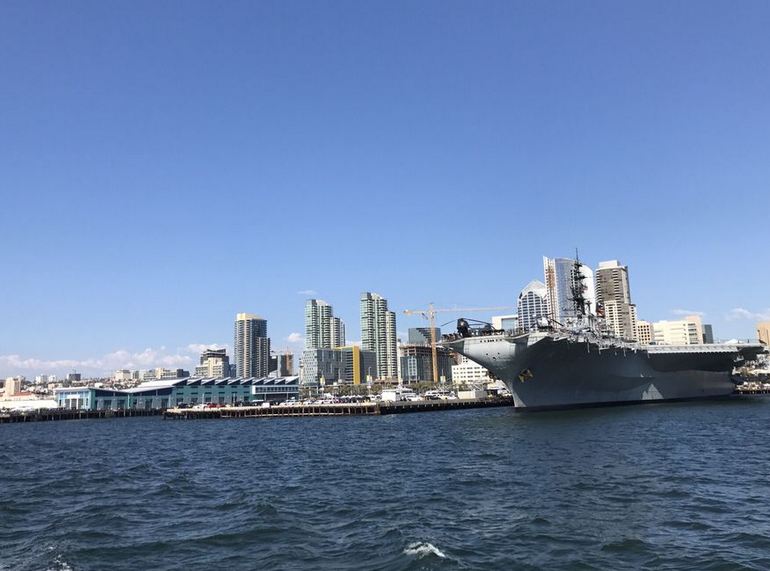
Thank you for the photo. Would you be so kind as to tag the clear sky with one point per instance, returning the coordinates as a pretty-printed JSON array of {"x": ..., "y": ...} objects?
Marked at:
[{"x": 164, "y": 165}]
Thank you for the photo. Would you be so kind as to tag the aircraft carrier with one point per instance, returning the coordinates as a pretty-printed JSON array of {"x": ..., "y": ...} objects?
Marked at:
[
  {"x": 551, "y": 370},
  {"x": 579, "y": 365}
]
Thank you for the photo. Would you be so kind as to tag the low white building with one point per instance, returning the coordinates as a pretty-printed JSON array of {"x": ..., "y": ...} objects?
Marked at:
[
  {"x": 687, "y": 331},
  {"x": 505, "y": 322},
  {"x": 468, "y": 372}
]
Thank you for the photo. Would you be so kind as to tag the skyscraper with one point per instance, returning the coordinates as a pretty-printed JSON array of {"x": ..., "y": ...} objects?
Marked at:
[
  {"x": 322, "y": 329},
  {"x": 378, "y": 333},
  {"x": 337, "y": 332},
  {"x": 532, "y": 304},
  {"x": 251, "y": 347},
  {"x": 560, "y": 279},
  {"x": 613, "y": 293}
]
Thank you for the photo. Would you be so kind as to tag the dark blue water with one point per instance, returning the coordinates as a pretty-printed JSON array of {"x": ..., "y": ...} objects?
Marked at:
[{"x": 656, "y": 487}]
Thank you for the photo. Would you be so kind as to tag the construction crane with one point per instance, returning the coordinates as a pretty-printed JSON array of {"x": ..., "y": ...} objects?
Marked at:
[{"x": 430, "y": 315}]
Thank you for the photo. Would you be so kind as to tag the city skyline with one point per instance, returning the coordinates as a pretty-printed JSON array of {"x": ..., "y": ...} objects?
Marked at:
[
  {"x": 372, "y": 126},
  {"x": 189, "y": 355}
]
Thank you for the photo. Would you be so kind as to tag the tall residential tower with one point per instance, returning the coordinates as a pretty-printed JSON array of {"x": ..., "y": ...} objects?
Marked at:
[
  {"x": 560, "y": 278},
  {"x": 532, "y": 304},
  {"x": 322, "y": 329},
  {"x": 613, "y": 293},
  {"x": 251, "y": 347},
  {"x": 378, "y": 333}
]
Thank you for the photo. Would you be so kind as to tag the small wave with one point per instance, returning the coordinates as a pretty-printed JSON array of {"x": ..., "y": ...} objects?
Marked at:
[
  {"x": 60, "y": 565},
  {"x": 626, "y": 545},
  {"x": 422, "y": 549}
]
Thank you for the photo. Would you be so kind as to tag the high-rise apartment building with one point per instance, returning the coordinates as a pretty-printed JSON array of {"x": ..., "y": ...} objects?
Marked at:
[
  {"x": 532, "y": 304},
  {"x": 613, "y": 294},
  {"x": 560, "y": 280},
  {"x": 214, "y": 363},
  {"x": 322, "y": 329},
  {"x": 251, "y": 346},
  {"x": 337, "y": 332},
  {"x": 378, "y": 334}
]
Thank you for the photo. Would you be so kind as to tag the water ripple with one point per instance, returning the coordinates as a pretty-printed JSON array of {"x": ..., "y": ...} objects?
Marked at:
[{"x": 639, "y": 487}]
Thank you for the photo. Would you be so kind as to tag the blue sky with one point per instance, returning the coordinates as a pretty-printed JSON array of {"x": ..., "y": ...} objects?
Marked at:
[{"x": 164, "y": 165}]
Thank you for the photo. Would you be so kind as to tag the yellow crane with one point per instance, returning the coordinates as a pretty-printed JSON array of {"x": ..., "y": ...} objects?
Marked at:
[{"x": 430, "y": 315}]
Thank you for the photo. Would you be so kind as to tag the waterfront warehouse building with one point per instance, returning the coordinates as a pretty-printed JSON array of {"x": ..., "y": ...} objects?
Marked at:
[
  {"x": 251, "y": 347},
  {"x": 162, "y": 394}
]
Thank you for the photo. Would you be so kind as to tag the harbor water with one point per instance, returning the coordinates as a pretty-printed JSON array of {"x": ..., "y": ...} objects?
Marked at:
[{"x": 666, "y": 486}]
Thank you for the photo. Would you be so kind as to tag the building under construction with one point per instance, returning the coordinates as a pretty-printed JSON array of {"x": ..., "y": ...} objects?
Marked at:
[{"x": 417, "y": 364}]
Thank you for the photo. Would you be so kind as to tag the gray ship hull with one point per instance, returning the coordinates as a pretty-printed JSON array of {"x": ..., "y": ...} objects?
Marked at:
[{"x": 549, "y": 372}]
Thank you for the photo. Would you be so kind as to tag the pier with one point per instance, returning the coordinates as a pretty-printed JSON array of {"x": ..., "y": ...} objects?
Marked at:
[
  {"x": 333, "y": 409},
  {"x": 73, "y": 414},
  {"x": 289, "y": 410}
]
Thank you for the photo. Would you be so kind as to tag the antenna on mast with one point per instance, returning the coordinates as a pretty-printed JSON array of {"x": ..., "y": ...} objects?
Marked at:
[{"x": 577, "y": 287}]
